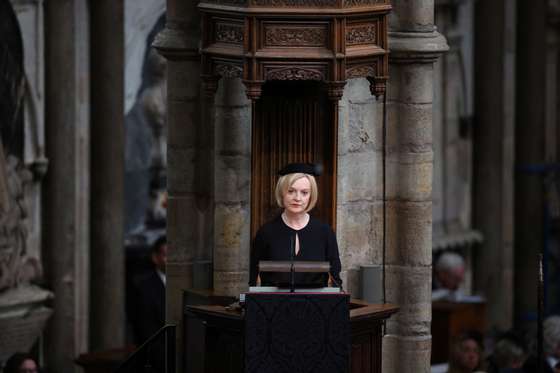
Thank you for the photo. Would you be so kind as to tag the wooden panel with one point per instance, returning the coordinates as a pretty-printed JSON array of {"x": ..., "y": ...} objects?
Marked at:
[
  {"x": 293, "y": 123},
  {"x": 449, "y": 320}
]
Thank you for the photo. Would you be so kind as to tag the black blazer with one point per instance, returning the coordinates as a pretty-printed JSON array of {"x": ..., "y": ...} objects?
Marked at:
[{"x": 148, "y": 313}]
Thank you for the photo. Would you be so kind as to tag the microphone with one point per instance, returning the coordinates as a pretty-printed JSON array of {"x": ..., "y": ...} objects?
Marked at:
[
  {"x": 292, "y": 268},
  {"x": 338, "y": 285}
]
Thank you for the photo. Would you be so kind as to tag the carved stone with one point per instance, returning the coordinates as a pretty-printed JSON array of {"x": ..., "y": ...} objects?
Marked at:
[
  {"x": 228, "y": 33},
  {"x": 295, "y": 73},
  {"x": 361, "y": 34},
  {"x": 16, "y": 266},
  {"x": 293, "y": 36}
]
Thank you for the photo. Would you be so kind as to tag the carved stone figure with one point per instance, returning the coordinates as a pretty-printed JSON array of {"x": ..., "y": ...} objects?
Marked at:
[{"x": 16, "y": 266}]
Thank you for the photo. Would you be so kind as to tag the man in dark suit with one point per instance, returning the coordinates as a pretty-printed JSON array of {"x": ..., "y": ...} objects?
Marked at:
[
  {"x": 148, "y": 311},
  {"x": 551, "y": 339}
]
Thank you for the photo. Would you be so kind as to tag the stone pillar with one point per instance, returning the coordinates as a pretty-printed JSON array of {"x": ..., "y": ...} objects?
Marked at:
[
  {"x": 530, "y": 150},
  {"x": 415, "y": 46},
  {"x": 66, "y": 193},
  {"x": 107, "y": 174},
  {"x": 493, "y": 153},
  {"x": 178, "y": 42},
  {"x": 232, "y": 188}
]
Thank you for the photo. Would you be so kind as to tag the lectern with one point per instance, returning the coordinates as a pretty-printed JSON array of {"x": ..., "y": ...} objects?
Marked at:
[{"x": 215, "y": 334}]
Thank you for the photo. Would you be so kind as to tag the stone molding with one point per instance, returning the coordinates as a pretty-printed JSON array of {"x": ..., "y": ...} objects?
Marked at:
[
  {"x": 172, "y": 43},
  {"x": 416, "y": 47}
]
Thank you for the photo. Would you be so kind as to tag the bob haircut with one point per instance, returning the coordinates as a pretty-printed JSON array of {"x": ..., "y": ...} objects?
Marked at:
[{"x": 286, "y": 181}]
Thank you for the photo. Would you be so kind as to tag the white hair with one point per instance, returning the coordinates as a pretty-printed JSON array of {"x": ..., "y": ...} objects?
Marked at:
[
  {"x": 449, "y": 261},
  {"x": 551, "y": 334}
]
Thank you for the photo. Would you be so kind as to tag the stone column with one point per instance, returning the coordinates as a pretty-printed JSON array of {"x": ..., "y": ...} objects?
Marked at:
[
  {"x": 232, "y": 188},
  {"x": 530, "y": 150},
  {"x": 493, "y": 153},
  {"x": 107, "y": 174},
  {"x": 415, "y": 46},
  {"x": 66, "y": 193},
  {"x": 178, "y": 42}
]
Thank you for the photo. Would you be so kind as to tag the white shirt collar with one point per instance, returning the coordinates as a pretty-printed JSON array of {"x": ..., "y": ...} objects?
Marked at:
[
  {"x": 552, "y": 361},
  {"x": 161, "y": 276}
]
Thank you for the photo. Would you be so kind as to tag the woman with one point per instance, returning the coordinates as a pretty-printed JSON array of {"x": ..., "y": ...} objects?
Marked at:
[{"x": 294, "y": 234}]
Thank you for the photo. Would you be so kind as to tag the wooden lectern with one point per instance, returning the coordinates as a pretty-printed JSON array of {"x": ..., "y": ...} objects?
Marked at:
[{"x": 215, "y": 335}]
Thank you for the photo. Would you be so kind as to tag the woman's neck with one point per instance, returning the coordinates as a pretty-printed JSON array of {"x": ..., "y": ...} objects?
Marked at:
[{"x": 295, "y": 221}]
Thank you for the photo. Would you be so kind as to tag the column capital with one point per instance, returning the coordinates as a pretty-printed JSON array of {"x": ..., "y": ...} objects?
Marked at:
[
  {"x": 173, "y": 42},
  {"x": 416, "y": 47}
]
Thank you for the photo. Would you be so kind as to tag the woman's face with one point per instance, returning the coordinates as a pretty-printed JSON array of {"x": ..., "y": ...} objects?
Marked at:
[{"x": 296, "y": 198}]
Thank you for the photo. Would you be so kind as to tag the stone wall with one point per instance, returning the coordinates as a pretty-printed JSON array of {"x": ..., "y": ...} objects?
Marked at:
[{"x": 359, "y": 182}]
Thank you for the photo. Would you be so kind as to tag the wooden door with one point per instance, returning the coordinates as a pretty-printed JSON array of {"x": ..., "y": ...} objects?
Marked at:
[{"x": 292, "y": 122}]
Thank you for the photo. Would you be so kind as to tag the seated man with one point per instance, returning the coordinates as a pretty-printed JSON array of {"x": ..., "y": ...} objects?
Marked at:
[{"x": 449, "y": 273}]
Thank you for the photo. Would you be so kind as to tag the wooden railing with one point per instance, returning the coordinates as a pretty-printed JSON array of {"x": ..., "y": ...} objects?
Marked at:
[{"x": 156, "y": 355}]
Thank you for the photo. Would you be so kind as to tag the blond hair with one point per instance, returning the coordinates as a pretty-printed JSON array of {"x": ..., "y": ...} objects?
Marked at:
[{"x": 286, "y": 181}]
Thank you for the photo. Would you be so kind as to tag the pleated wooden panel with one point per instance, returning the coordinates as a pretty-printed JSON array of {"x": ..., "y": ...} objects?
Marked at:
[{"x": 293, "y": 122}]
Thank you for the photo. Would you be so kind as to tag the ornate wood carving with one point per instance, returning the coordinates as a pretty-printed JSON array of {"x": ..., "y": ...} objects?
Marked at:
[
  {"x": 361, "y": 71},
  {"x": 299, "y": 3},
  {"x": 226, "y": 70},
  {"x": 351, "y": 3},
  {"x": 295, "y": 73},
  {"x": 295, "y": 3},
  {"x": 361, "y": 34},
  {"x": 228, "y": 33},
  {"x": 229, "y": 2},
  {"x": 291, "y": 40},
  {"x": 295, "y": 36}
]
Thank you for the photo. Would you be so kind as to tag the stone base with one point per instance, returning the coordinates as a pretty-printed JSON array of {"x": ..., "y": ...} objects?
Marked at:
[{"x": 23, "y": 316}]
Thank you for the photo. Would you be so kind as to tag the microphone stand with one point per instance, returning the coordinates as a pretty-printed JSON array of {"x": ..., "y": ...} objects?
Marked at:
[{"x": 292, "y": 268}]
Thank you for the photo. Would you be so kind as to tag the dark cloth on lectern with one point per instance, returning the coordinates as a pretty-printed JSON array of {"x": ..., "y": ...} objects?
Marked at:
[
  {"x": 274, "y": 240},
  {"x": 297, "y": 333}
]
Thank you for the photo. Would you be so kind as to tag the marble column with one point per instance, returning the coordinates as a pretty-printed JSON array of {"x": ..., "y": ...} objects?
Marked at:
[
  {"x": 493, "y": 153},
  {"x": 107, "y": 174},
  {"x": 66, "y": 194},
  {"x": 178, "y": 42},
  {"x": 415, "y": 46}
]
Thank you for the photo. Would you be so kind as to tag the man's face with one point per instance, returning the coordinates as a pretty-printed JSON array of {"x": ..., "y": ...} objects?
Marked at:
[
  {"x": 160, "y": 258},
  {"x": 451, "y": 279}
]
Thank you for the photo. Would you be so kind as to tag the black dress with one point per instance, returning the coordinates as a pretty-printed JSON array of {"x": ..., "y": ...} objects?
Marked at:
[{"x": 317, "y": 242}]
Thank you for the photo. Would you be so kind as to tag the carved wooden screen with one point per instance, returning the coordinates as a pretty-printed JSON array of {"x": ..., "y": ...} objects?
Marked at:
[{"x": 293, "y": 122}]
